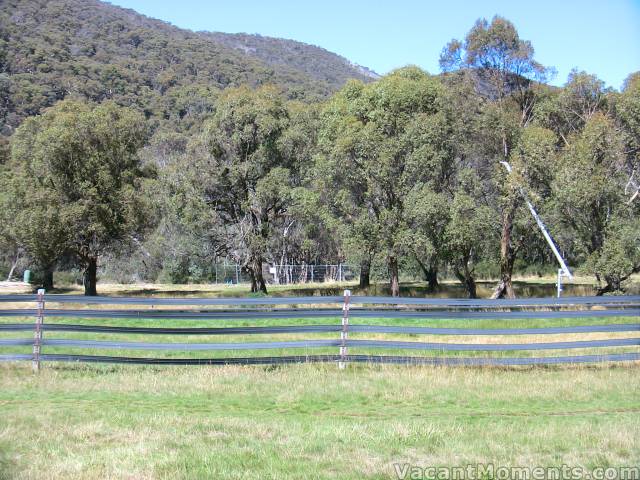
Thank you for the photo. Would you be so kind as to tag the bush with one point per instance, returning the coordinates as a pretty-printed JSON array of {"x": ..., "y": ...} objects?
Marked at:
[{"x": 487, "y": 270}]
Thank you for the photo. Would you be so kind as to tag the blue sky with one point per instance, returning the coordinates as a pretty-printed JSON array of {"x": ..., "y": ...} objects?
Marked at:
[{"x": 601, "y": 37}]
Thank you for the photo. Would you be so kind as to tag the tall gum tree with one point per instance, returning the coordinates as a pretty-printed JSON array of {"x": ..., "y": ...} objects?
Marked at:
[
  {"x": 244, "y": 171},
  {"x": 84, "y": 158},
  {"x": 505, "y": 73},
  {"x": 627, "y": 114},
  {"x": 372, "y": 151},
  {"x": 590, "y": 202},
  {"x": 567, "y": 110},
  {"x": 466, "y": 238}
]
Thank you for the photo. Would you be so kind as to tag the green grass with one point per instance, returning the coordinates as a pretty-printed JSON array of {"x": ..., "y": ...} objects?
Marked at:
[{"x": 310, "y": 421}]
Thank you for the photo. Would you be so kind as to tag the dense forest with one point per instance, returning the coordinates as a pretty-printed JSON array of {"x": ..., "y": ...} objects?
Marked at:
[
  {"x": 137, "y": 151},
  {"x": 52, "y": 50}
]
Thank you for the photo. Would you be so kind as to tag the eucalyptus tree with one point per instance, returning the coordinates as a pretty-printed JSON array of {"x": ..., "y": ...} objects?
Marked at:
[
  {"x": 502, "y": 63},
  {"x": 10, "y": 247},
  {"x": 34, "y": 222},
  {"x": 628, "y": 107},
  {"x": 243, "y": 172},
  {"x": 428, "y": 214},
  {"x": 466, "y": 237},
  {"x": 627, "y": 113},
  {"x": 378, "y": 143},
  {"x": 306, "y": 234},
  {"x": 532, "y": 160},
  {"x": 567, "y": 110},
  {"x": 81, "y": 162},
  {"x": 506, "y": 74},
  {"x": 432, "y": 140},
  {"x": 619, "y": 256},
  {"x": 588, "y": 195},
  {"x": 590, "y": 199},
  {"x": 181, "y": 242}
]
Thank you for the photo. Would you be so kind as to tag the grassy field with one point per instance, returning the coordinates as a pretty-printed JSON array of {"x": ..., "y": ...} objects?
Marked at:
[{"x": 310, "y": 421}]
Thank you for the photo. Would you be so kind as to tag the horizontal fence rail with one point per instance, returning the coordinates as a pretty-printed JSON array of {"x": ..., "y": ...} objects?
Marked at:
[
  {"x": 98, "y": 344},
  {"x": 624, "y": 327},
  {"x": 318, "y": 313},
  {"x": 343, "y": 310}
]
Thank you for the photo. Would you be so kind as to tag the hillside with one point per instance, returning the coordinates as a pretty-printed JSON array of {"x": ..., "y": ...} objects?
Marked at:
[
  {"x": 316, "y": 62},
  {"x": 50, "y": 50}
]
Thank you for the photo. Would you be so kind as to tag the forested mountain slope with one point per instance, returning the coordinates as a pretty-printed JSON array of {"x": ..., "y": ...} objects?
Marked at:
[
  {"x": 316, "y": 62},
  {"x": 88, "y": 49}
]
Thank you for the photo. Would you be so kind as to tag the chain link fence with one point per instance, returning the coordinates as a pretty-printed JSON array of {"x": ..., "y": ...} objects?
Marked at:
[
  {"x": 288, "y": 274},
  {"x": 232, "y": 274}
]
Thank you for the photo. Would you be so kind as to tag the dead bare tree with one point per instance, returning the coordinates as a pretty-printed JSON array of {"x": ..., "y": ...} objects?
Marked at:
[{"x": 632, "y": 188}]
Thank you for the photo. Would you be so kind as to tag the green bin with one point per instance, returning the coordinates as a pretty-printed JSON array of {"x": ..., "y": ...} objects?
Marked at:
[{"x": 27, "y": 276}]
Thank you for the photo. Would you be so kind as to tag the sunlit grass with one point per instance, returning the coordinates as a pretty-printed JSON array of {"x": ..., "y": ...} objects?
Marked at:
[{"x": 309, "y": 421}]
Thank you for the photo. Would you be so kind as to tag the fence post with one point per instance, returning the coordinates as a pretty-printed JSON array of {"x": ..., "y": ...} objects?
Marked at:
[
  {"x": 345, "y": 330},
  {"x": 560, "y": 273},
  {"x": 37, "y": 334}
]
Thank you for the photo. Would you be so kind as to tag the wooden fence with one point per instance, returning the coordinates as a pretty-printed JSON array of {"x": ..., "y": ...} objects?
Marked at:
[{"x": 346, "y": 318}]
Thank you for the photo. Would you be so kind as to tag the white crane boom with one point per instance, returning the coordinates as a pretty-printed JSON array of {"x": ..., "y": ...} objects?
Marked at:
[{"x": 543, "y": 229}]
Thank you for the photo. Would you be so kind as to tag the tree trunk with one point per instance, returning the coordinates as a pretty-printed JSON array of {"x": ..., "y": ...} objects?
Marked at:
[
  {"x": 257, "y": 280},
  {"x": 254, "y": 284},
  {"x": 614, "y": 284},
  {"x": 90, "y": 277},
  {"x": 471, "y": 287},
  {"x": 431, "y": 275},
  {"x": 504, "y": 289},
  {"x": 393, "y": 274},
  {"x": 47, "y": 280},
  {"x": 467, "y": 280},
  {"x": 365, "y": 272},
  {"x": 14, "y": 265}
]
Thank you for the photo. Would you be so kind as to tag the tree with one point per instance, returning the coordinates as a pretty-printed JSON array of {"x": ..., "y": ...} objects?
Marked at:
[
  {"x": 504, "y": 69},
  {"x": 428, "y": 213},
  {"x": 588, "y": 195},
  {"x": 243, "y": 175},
  {"x": 502, "y": 61},
  {"x": 180, "y": 247},
  {"x": 9, "y": 243},
  {"x": 466, "y": 238},
  {"x": 532, "y": 160},
  {"x": 627, "y": 112},
  {"x": 37, "y": 223},
  {"x": 83, "y": 158},
  {"x": 566, "y": 111},
  {"x": 619, "y": 256},
  {"x": 379, "y": 142},
  {"x": 306, "y": 234},
  {"x": 34, "y": 218}
]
